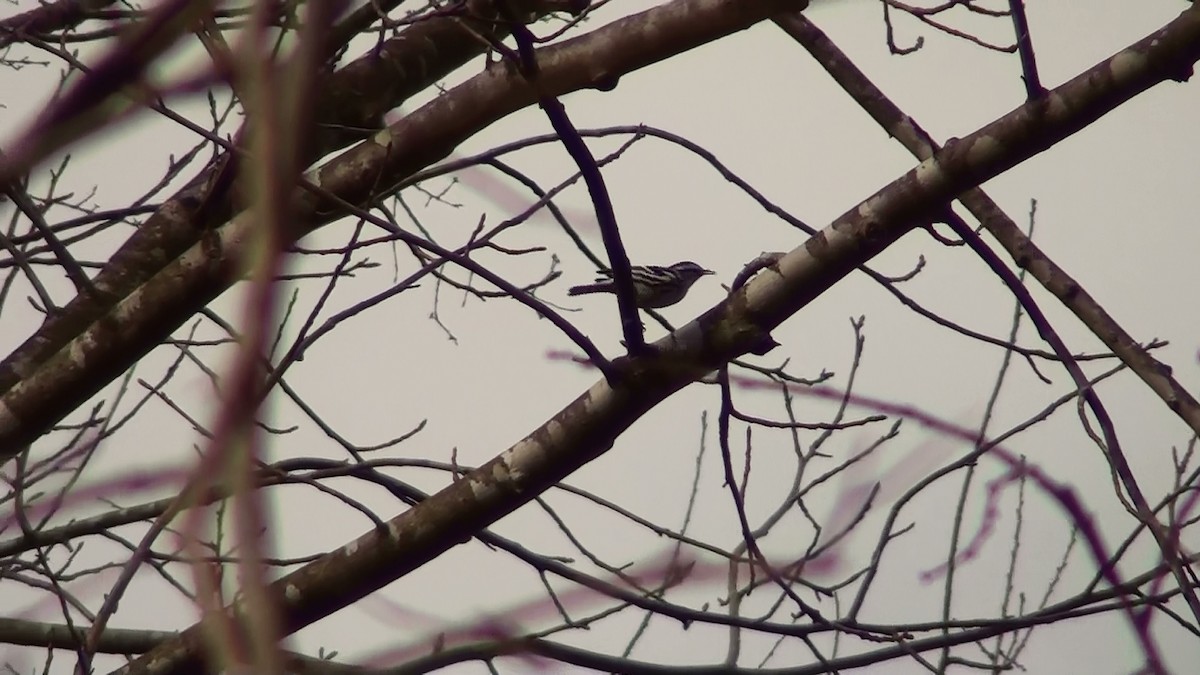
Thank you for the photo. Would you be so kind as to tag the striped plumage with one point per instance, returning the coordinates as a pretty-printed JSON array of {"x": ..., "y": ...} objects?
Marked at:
[{"x": 653, "y": 286}]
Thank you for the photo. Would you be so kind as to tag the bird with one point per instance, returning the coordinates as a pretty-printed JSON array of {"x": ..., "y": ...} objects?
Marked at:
[{"x": 654, "y": 287}]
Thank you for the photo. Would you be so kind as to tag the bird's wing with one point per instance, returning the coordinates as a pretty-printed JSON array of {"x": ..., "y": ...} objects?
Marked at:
[{"x": 656, "y": 270}]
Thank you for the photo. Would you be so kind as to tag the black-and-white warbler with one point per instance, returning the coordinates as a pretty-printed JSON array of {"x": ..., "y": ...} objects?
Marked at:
[{"x": 653, "y": 286}]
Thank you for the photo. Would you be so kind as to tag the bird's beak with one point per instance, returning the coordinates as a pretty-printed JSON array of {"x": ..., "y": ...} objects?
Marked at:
[{"x": 706, "y": 272}]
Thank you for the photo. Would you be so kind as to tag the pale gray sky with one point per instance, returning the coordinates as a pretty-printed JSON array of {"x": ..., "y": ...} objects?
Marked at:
[{"x": 1115, "y": 209}]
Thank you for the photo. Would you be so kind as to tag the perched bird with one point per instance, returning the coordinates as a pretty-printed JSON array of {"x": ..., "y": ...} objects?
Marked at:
[{"x": 653, "y": 286}]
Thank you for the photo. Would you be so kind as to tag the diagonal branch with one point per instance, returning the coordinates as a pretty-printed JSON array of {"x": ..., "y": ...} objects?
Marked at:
[
  {"x": 355, "y": 99},
  {"x": 591, "y": 423},
  {"x": 48, "y": 18},
  {"x": 1024, "y": 252},
  {"x": 1029, "y": 257}
]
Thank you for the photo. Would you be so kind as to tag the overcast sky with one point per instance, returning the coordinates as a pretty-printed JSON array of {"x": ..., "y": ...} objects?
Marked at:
[{"x": 1115, "y": 208}]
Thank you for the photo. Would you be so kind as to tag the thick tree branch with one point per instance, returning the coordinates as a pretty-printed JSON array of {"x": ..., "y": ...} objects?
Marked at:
[
  {"x": 351, "y": 108},
  {"x": 1024, "y": 252},
  {"x": 998, "y": 223},
  {"x": 590, "y": 424},
  {"x": 47, "y": 18}
]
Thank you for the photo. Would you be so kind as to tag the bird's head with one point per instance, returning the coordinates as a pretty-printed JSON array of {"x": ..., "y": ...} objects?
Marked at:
[{"x": 690, "y": 271}]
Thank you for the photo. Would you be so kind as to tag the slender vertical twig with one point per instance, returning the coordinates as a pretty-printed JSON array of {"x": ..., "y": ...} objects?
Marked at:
[
  {"x": 618, "y": 260},
  {"x": 1033, "y": 83}
]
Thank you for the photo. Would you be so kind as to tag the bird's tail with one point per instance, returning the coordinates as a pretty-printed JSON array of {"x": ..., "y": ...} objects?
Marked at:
[{"x": 605, "y": 287}]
